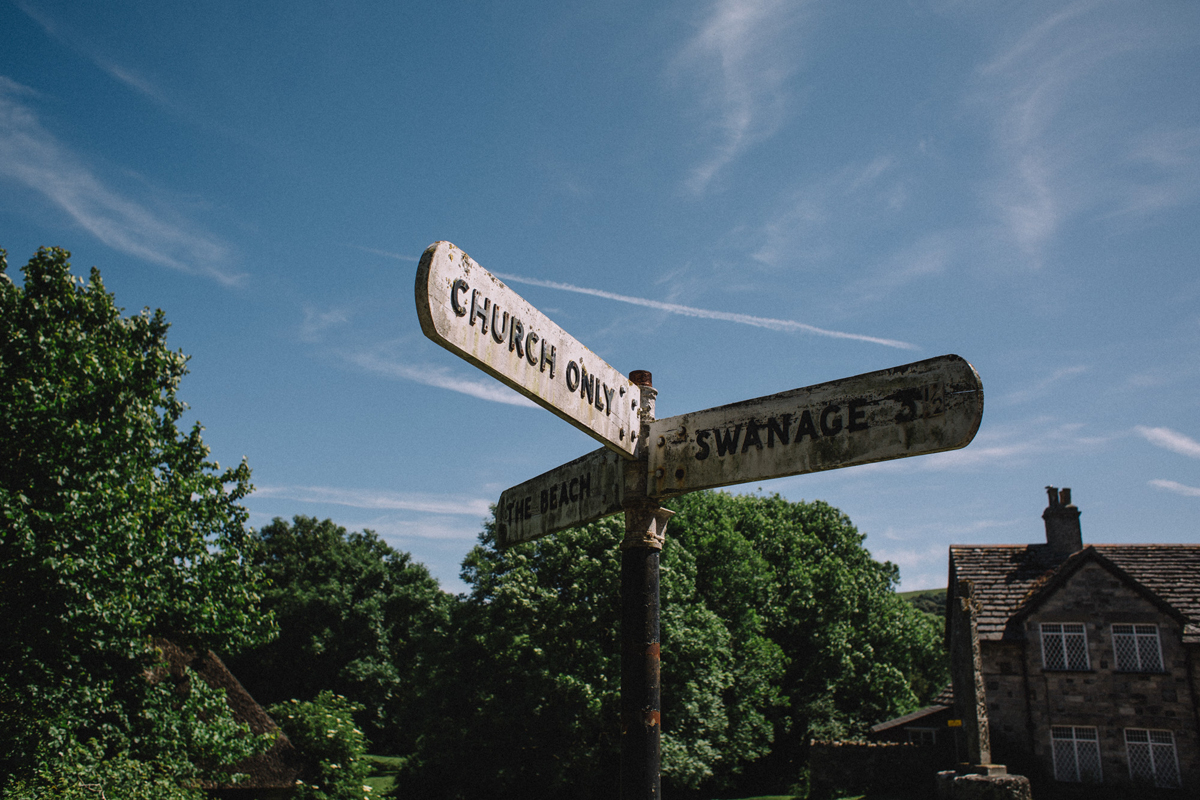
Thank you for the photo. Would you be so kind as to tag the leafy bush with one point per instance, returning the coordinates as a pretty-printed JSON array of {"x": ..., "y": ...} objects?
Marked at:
[
  {"x": 78, "y": 774},
  {"x": 333, "y": 749}
]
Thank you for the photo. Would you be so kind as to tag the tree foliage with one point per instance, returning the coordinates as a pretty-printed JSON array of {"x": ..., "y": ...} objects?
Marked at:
[
  {"x": 776, "y": 626},
  {"x": 798, "y": 574},
  {"x": 114, "y": 527},
  {"x": 355, "y": 617},
  {"x": 333, "y": 749}
]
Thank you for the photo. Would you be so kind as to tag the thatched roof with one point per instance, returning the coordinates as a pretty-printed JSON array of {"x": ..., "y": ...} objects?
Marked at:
[{"x": 276, "y": 769}]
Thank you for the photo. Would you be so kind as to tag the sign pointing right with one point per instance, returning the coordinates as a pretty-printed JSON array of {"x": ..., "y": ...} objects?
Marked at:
[{"x": 925, "y": 407}]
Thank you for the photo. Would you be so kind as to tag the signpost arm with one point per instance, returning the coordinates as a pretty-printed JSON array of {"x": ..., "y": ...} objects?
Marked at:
[{"x": 641, "y": 695}]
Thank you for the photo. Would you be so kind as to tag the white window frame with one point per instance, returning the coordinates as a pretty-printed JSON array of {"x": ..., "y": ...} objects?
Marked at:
[
  {"x": 1055, "y": 635},
  {"x": 1138, "y": 636},
  {"x": 1158, "y": 750},
  {"x": 1066, "y": 744}
]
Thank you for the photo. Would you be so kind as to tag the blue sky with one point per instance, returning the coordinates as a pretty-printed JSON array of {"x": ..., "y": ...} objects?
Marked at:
[{"x": 742, "y": 197}]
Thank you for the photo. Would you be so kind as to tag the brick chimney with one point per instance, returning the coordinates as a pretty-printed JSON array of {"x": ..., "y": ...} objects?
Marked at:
[{"x": 1062, "y": 522}]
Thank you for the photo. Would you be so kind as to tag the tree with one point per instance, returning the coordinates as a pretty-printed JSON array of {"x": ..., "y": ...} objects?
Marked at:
[
  {"x": 777, "y": 626},
  {"x": 798, "y": 573},
  {"x": 354, "y": 615},
  {"x": 114, "y": 527},
  {"x": 525, "y": 698}
]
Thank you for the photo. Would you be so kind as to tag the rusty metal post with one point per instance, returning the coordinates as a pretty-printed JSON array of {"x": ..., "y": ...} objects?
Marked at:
[{"x": 641, "y": 692}]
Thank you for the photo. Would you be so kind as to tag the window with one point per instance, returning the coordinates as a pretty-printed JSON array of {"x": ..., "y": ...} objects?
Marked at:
[
  {"x": 922, "y": 736},
  {"x": 1152, "y": 757},
  {"x": 1064, "y": 646},
  {"x": 1076, "y": 754},
  {"x": 1137, "y": 648}
]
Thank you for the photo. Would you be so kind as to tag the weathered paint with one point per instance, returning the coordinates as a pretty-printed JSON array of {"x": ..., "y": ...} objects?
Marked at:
[
  {"x": 471, "y": 313},
  {"x": 581, "y": 491},
  {"x": 925, "y": 407}
]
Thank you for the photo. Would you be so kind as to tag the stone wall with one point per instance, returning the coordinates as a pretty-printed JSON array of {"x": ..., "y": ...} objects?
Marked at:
[{"x": 1004, "y": 672}]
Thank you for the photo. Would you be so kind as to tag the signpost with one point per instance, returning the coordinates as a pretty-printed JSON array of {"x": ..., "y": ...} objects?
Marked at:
[
  {"x": 925, "y": 407},
  {"x": 471, "y": 313},
  {"x": 919, "y": 408},
  {"x": 581, "y": 491}
]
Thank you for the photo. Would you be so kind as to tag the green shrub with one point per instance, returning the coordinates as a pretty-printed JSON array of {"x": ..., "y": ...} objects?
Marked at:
[
  {"x": 333, "y": 749},
  {"x": 77, "y": 774}
]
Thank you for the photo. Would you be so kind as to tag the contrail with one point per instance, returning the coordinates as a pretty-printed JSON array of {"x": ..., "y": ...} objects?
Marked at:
[{"x": 704, "y": 313}]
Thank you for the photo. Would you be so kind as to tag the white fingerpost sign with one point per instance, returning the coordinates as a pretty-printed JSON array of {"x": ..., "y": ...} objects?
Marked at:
[
  {"x": 581, "y": 491},
  {"x": 925, "y": 407},
  {"x": 471, "y": 313}
]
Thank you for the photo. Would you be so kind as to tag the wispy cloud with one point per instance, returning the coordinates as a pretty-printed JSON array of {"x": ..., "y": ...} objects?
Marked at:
[
  {"x": 316, "y": 323},
  {"x": 1016, "y": 444},
  {"x": 703, "y": 313},
  {"x": 31, "y": 156},
  {"x": 488, "y": 389},
  {"x": 1039, "y": 388},
  {"x": 136, "y": 81},
  {"x": 130, "y": 77},
  {"x": 455, "y": 505},
  {"x": 1177, "y": 488},
  {"x": 740, "y": 58},
  {"x": 816, "y": 219},
  {"x": 386, "y": 253},
  {"x": 428, "y": 528},
  {"x": 1065, "y": 127},
  {"x": 1171, "y": 440}
]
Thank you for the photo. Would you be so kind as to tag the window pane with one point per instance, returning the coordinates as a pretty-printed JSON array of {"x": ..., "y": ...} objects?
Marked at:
[
  {"x": 1147, "y": 646},
  {"x": 1064, "y": 761},
  {"x": 1141, "y": 768},
  {"x": 1125, "y": 648},
  {"x": 1089, "y": 759},
  {"x": 1076, "y": 650},
  {"x": 1053, "y": 655},
  {"x": 1166, "y": 770}
]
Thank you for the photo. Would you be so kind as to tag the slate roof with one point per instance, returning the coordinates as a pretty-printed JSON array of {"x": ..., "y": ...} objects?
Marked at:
[
  {"x": 943, "y": 702},
  {"x": 1008, "y": 578}
]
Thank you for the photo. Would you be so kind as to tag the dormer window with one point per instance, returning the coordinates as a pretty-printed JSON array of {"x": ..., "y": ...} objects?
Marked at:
[
  {"x": 1137, "y": 648},
  {"x": 1064, "y": 646}
]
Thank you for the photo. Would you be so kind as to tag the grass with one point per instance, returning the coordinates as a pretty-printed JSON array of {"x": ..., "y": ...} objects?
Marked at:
[{"x": 382, "y": 776}]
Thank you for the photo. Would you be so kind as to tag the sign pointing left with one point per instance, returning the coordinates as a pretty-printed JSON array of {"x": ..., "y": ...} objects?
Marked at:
[{"x": 471, "y": 313}]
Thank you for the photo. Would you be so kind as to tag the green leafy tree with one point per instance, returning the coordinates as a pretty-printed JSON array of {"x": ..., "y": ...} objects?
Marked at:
[
  {"x": 777, "y": 626},
  {"x": 355, "y": 617},
  {"x": 525, "y": 700},
  {"x": 114, "y": 527},
  {"x": 798, "y": 573}
]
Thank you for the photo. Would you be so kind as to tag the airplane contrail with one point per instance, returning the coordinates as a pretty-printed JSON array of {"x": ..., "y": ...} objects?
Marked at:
[{"x": 704, "y": 313}]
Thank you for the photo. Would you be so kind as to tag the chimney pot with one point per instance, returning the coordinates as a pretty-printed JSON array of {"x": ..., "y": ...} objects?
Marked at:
[{"x": 1063, "y": 533}]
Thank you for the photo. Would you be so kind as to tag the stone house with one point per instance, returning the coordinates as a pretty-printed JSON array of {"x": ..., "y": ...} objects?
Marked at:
[{"x": 1088, "y": 657}]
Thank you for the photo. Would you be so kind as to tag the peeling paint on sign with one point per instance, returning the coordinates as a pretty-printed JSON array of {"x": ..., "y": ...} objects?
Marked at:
[
  {"x": 581, "y": 491},
  {"x": 925, "y": 407},
  {"x": 471, "y": 313}
]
